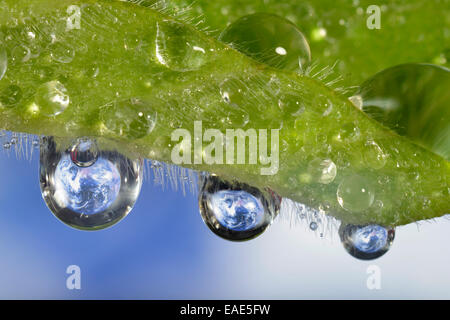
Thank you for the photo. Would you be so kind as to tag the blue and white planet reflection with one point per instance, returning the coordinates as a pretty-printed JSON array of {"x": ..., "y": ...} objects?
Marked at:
[
  {"x": 371, "y": 238},
  {"x": 237, "y": 210},
  {"x": 87, "y": 190},
  {"x": 366, "y": 242},
  {"x": 85, "y": 187}
]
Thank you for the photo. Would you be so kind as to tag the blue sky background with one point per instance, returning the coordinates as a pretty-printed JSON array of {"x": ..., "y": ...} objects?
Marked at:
[{"x": 162, "y": 250}]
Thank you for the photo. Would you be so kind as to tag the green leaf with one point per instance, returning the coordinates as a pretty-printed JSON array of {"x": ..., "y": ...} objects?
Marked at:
[
  {"x": 133, "y": 75},
  {"x": 410, "y": 31}
]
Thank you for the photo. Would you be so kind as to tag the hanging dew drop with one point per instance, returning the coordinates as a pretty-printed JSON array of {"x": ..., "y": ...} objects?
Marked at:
[
  {"x": 313, "y": 226},
  {"x": 258, "y": 36},
  {"x": 93, "y": 197},
  {"x": 236, "y": 211},
  {"x": 84, "y": 152},
  {"x": 366, "y": 242},
  {"x": 355, "y": 193}
]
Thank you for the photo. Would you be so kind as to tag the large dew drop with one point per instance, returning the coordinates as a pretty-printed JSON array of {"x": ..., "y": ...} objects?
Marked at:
[
  {"x": 269, "y": 39},
  {"x": 355, "y": 193},
  {"x": 413, "y": 100},
  {"x": 178, "y": 48},
  {"x": 88, "y": 197},
  {"x": 366, "y": 242},
  {"x": 236, "y": 211}
]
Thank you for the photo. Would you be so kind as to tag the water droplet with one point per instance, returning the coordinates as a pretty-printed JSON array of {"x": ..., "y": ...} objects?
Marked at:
[
  {"x": 322, "y": 171},
  {"x": 411, "y": 99},
  {"x": 61, "y": 52},
  {"x": 88, "y": 198},
  {"x": 132, "y": 118},
  {"x": 318, "y": 34},
  {"x": 3, "y": 59},
  {"x": 177, "y": 48},
  {"x": 11, "y": 96},
  {"x": 366, "y": 242},
  {"x": 258, "y": 36},
  {"x": 84, "y": 152},
  {"x": 7, "y": 145},
  {"x": 348, "y": 132},
  {"x": 313, "y": 226},
  {"x": 36, "y": 143},
  {"x": 374, "y": 156},
  {"x": 236, "y": 211},
  {"x": 20, "y": 53},
  {"x": 52, "y": 98},
  {"x": 355, "y": 193},
  {"x": 357, "y": 101}
]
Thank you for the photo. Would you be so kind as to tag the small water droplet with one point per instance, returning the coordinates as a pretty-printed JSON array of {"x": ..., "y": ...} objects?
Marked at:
[
  {"x": 236, "y": 211},
  {"x": 61, "y": 52},
  {"x": 132, "y": 118},
  {"x": 84, "y": 152},
  {"x": 178, "y": 48},
  {"x": 7, "y": 145},
  {"x": 322, "y": 170},
  {"x": 11, "y": 96},
  {"x": 313, "y": 226},
  {"x": 36, "y": 143},
  {"x": 366, "y": 242},
  {"x": 20, "y": 53},
  {"x": 88, "y": 198},
  {"x": 374, "y": 156},
  {"x": 51, "y": 98},
  {"x": 357, "y": 101},
  {"x": 355, "y": 193},
  {"x": 258, "y": 36}
]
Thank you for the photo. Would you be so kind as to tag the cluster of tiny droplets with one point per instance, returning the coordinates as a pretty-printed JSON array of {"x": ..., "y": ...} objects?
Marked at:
[
  {"x": 313, "y": 220},
  {"x": 22, "y": 145}
]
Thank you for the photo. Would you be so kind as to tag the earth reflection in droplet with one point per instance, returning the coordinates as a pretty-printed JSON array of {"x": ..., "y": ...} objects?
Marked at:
[
  {"x": 366, "y": 242},
  {"x": 88, "y": 197},
  {"x": 236, "y": 211}
]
